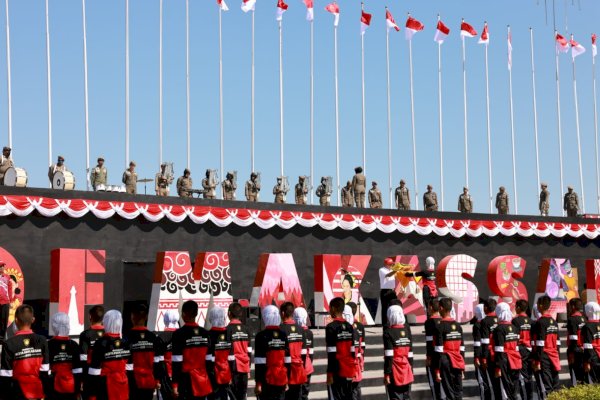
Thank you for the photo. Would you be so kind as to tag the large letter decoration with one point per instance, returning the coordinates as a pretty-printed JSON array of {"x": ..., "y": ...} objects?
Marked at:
[
  {"x": 340, "y": 276},
  {"x": 69, "y": 290},
  {"x": 502, "y": 277},
  {"x": 213, "y": 279},
  {"x": 13, "y": 269},
  {"x": 410, "y": 289},
  {"x": 592, "y": 279},
  {"x": 453, "y": 280},
  {"x": 559, "y": 280},
  {"x": 276, "y": 281}
]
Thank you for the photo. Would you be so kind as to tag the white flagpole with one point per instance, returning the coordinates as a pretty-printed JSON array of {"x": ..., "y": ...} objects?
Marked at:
[
  {"x": 49, "y": 83},
  {"x": 337, "y": 116},
  {"x": 412, "y": 119},
  {"x": 362, "y": 70},
  {"x": 85, "y": 93},
  {"x": 440, "y": 124},
  {"x": 126, "y": 83},
  {"x": 9, "y": 86},
  {"x": 560, "y": 154},
  {"x": 187, "y": 78},
  {"x": 312, "y": 109},
  {"x": 252, "y": 99},
  {"x": 578, "y": 135},
  {"x": 222, "y": 132},
  {"x": 489, "y": 134},
  {"x": 465, "y": 112},
  {"x": 160, "y": 85},
  {"x": 535, "y": 120},
  {"x": 281, "y": 96},
  {"x": 596, "y": 132},
  {"x": 389, "y": 113},
  {"x": 512, "y": 131}
]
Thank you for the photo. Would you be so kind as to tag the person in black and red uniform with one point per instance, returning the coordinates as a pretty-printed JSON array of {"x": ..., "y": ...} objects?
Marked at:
[
  {"x": 7, "y": 295},
  {"x": 360, "y": 334},
  {"x": 398, "y": 359},
  {"x": 65, "y": 362},
  {"x": 341, "y": 357},
  {"x": 24, "y": 366},
  {"x": 111, "y": 358},
  {"x": 146, "y": 355},
  {"x": 296, "y": 341},
  {"x": 575, "y": 322},
  {"x": 431, "y": 326},
  {"x": 507, "y": 358},
  {"x": 486, "y": 328},
  {"x": 221, "y": 350},
  {"x": 301, "y": 318},
  {"x": 191, "y": 357},
  {"x": 271, "y": 358},
  {"x": 545, "y": 355},
  {"x": 485, "y": 392},
  {"x": 449, "y": 353},
  {"x": 591, "y": 343},
  {"x": 87, "y": 338},
  {"x": 171, "y": 320},
  {"x": 523, "y": 324},
  {"x": 239, "y": 337}
]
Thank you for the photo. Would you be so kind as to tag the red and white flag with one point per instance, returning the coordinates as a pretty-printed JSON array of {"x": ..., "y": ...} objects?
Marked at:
[
  {"x": 594, "y": 49},
  {"x": 562, "y": 44},
  {"x": 576, "y": 48},
  {"x": 335, "y": 10},
  {"x": 441, "y": 33},
  {"x": 310, "y": 11},
  {"x": 390, "y": 22},
  {"x": 248, "y": 5},
  {"x": 365, "y": 21},
  {"x": 222, "y": 5},
  {"x": 281, "y": 8},
  {"x": 467, "y": 30},
  {"x": 412, "y": 26},
  {"x": 509, "y": 43},
  {"x": 485, "y": 36}
]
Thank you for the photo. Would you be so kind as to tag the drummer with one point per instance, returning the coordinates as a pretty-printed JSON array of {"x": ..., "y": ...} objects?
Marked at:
[
  {"x": 5, "y": 163},
  {"x": 54, "y": 168},
  {"x": 99, "y": 175}
]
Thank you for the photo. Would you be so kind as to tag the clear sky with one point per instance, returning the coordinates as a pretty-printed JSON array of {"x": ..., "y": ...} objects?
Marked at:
[{"x": 106, "y": 57}]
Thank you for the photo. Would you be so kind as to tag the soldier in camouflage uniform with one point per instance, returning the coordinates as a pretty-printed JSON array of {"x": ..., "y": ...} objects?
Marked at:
[
  {"x": 54, "y": 168},
  {"x": 465, "y": 201},
  {"x": 162, "y": 182},
  {"x": 252, "y": 188},
  {"x": 322, "y": 193},
  {"x": 571, "y": 202},
  {"x": 130, "y": 178},
  {"x": 99, "y": 175},
  {"x": 278, "y": 192},
  {"x": 430, "y": 201},
  {"x": 375, "y": 196},
  {"x": 184, "y": 184},
  {"x": 359, "y": 187},
  {"x": 300, "y": 191},
  {"x": 209, "y": 187},
  {"x": 544, "y": 200},
  {"x": 347, "y": 195},
  {"x": 402, "y": 196},
  {"x": 5, "y": 163},
  {"x": 502, "y": 201},
  {"x": 229, "y": 187}
]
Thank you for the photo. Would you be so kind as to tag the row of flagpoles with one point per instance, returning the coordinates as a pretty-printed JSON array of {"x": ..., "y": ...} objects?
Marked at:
[{"x": 412, "y": 27}]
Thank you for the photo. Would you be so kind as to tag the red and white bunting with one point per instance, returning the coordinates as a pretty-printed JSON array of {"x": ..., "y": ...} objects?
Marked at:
[
  {"x": 248, "y": 5},
  {"x": 310, "y": 10},
  {"x": 390, "y": 22},
  {"x": 412, "y": 26},
  {"x": 365, "y": 22},
  {"x": 485, "y": 35},
  {"x": 576, "y": 49},
  {"x": 335, "y": 10},
  {"x": 222, "y": 5},
  {"x": 281, "y": 8},
  {"x": 562, "y": 44},
  {"x": 467, "y": 30},
  {"x": 441, "y": 33}
]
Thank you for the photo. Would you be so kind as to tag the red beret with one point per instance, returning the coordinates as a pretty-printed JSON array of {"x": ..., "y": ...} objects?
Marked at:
[{"x": 388, "y": 261}]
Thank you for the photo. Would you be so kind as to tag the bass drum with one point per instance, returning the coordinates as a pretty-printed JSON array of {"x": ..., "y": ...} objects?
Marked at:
[
  {"x": 15, "y": 177},
  {"x": 63, "y": 180}
]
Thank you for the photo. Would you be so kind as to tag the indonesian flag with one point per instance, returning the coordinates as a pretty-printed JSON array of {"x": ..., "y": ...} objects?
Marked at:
[
  {"x": 467, "y": 30},
  {"x": 365, "y": 21},
  {"x": 390, "y": 22},
  {"x": 222, "y": 5},
  {"x": 412, "y": 26},
  {"x": 485, "y": 36},
  {"x": 335, "y": 10},
  {"x": 441, "y": 33},
  {"x": 562, "y": 45},
  {"x": 248, "y": 5},
  {"x": 310, "y": 11},
  {"x": 576, "y": 48},
  {"x": 594, "y": 49},
  {"x": 281, "y": 7},
  {"x": 509, "y": 43}
]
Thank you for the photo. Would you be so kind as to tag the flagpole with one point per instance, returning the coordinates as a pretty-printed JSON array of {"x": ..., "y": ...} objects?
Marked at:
[
  {"x": 312, "y": 109},
  {"x": 560, "y": 154},
  {"x": 465, "y": 112},
  {"x": 221, "y": 130},
  {"x": 596, "y": 132},
  {"x": 578, "y": 134},
  {"x": 535, "y": 120},
  {"x": 187, "y": 78},
  {"x": 252, "y": 99},
  {"x": 440, "y": 123},
  {"x": 512, "y": 133},
  {"x": 389, "y": 112},
  {"x": 489, "y": 134},
  {"x": 85, "y": 93},
  {"x": 362, "y": 64},
  {"x": 160, "y": 85},
  {"x": 412, "y": 119},
  {"x": 126, "y": 82},
  {"x": 49, "y": 83},
  {"x": 337, "y": 115},
  {"x": 281, "y": 96},
  {"x": 9, "y": 87}
]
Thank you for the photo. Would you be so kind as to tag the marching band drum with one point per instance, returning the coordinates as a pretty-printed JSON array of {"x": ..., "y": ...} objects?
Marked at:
[
  {"x": 63, "y": 180},
  {"x": 16, "y": 177}
]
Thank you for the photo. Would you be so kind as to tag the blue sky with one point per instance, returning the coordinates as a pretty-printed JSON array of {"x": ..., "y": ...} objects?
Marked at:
[{"x": 106, "y": 57}]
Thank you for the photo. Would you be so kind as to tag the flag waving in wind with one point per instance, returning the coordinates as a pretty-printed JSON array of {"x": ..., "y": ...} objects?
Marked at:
[
  {"x": 594, "y": 48},
  {"x": 485, "y": 35},
  {"x": 335, "y": 10},
  {"x": 248, "y": 5},
  {"x": 281, "y": 7},
  {"x": 576, "y": 48},
  {"x": 389, "y": 21},
  {"x": 310, "y": 11},
  {"x": 441, "y": 33},
  {"x": 365, "y": 21},
  {"x": 412, "y": 26},
  {"x": 467, "y": 30},
  {"x": 222, "y": 5},
  {"x": 562, "y": 45}
]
